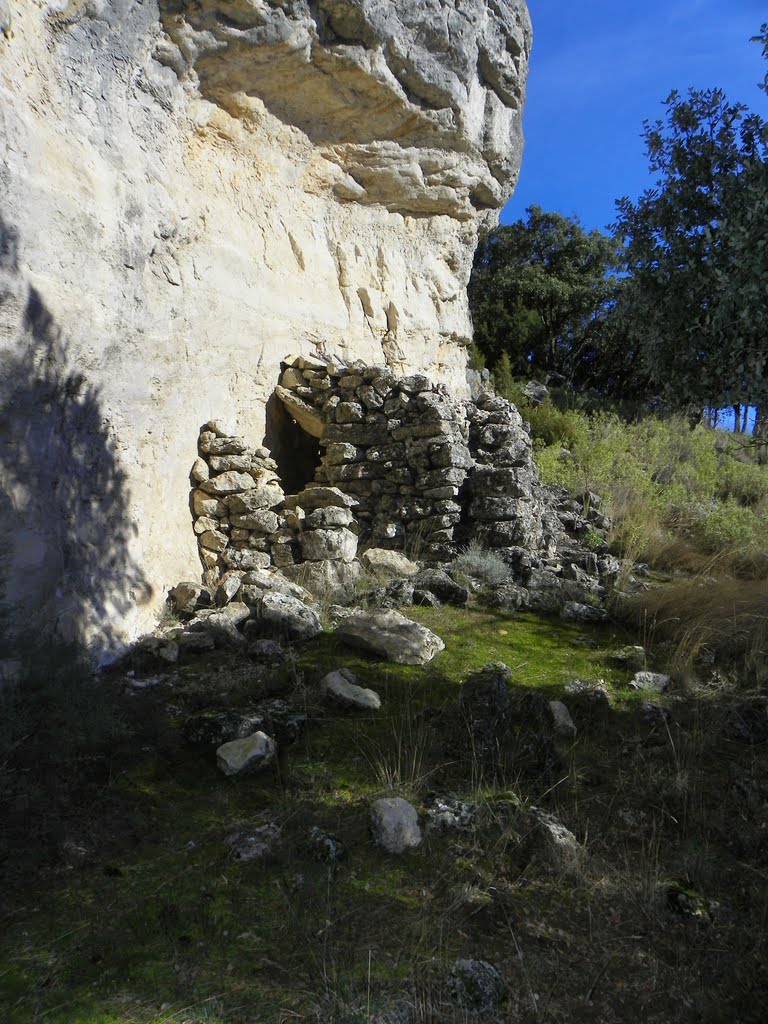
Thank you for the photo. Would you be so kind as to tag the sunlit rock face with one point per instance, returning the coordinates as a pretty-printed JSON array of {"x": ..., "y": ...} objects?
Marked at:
[{"x": 190, "y": 191}]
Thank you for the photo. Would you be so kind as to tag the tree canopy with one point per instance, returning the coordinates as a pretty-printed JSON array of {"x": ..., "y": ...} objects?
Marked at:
[
  {"x": 674, "y": 303},
  {"x": 542, "y": 290},
  {"x": 696, "y": 254}
]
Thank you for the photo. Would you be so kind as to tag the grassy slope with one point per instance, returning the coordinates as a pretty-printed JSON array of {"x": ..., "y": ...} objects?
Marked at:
[{"x": 156, "y": 921}]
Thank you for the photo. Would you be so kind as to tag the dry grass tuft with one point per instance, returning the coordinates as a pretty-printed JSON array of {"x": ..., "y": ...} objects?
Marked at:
[{"x": 711, "y": 617}]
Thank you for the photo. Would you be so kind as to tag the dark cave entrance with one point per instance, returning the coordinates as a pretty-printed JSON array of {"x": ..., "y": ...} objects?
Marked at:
[{"x": 296, "y": 452}]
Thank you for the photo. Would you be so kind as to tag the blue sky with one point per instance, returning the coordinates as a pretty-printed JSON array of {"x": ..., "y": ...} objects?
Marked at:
[{"x": 599, "y": 68}]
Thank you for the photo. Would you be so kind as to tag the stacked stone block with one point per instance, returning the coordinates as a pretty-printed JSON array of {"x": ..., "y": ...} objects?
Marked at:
[
  {"x": 506, "y": 508},
  {"x": 237, "y": 505},
  {"x": 398, "y": 446}
]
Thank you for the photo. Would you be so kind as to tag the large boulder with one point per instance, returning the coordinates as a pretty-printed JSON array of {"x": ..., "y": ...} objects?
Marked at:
[{"x": 390, "y": 635}]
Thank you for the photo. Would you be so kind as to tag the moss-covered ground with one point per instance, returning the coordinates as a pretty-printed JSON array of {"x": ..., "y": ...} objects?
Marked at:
[{"x": 122, "y": 902}]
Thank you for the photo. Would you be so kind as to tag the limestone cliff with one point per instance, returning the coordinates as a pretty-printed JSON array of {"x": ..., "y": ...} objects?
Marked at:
[{"x": 188, "y": 192}]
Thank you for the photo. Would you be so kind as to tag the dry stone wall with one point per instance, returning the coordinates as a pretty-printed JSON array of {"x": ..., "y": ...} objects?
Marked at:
[{"x": 401, "y": 464}]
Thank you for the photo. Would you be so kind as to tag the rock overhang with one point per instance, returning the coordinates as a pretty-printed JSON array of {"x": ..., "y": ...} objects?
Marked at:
[{"x": 419, "y": 104}]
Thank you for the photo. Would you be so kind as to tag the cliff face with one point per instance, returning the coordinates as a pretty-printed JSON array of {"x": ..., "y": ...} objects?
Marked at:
[{"x": 191, "y": 191}]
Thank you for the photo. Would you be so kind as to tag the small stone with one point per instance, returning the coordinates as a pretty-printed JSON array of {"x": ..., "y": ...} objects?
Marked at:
[
  {"x": 212, "y": 728},
  {"x": 558, "y": 846},
  {"x": 206, "y": 523},
  {"x": 204, "y": 504},
  {"x": 285, "y": 616},
  {"x": 243, "y": 756},
  {"x": 342, "y": 687},
  {"x": 631, "y": 658},
  {"x": 561, "y": 719},
  {"x": 268, "y": 652},
  {"x": 213, "y": 540},
  {"x": 333, "y": 516},
  {"x": 209, "y": 444},
  {"x": 574, "y": 611},
  {"x": 442, "y": 586},
  {"x": 337, "y": 545},
  {"x": 451, "y": 814},
  {"x": 232, "y": 482},
  {"x": 195, "y": 641},
  {"x": 262, "y": 521},
  {"x": 269, "y": 580},
  {"x": 221, "y": 429},
  {"x": 254, "y": 844},
  {"x": 200, "y": 471},
  {"x": 477, "y": 986},
  {"x": 228, "y": 587},
  {"x": 316, "y": 496},
  {"x": 383, "y": 562},
  {"x": 395, "y": 825},
  {"x": 325, "y": 846},
  {"x": 188, "y": 598},
  {"x": 655, "y": 681}
]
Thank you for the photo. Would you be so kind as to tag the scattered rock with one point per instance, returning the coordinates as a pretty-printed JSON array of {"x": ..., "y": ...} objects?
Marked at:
[
  {"x": 254, "y": 844},
  {"x": 449, "y": 813},
  {"x": 284, "y": 721},
  {"x": 486, "y": 704},
  {"x": 536, "y": 392},
  {"x": 574, "y": 611},
  {"x": 383, "y": 562},
  {"x": 195, "y": 641},
  {"x": 439, "y": 583},
  {"x": 188, "y": 598},
  {"x": 228, "y": 587},
  {"x": 633, "y": 659},
  {"x": 325, "y": 847},
  {"x": 654, "y": 714},
  {"x": 284, "y": 616},
  {"x": 558, "y": 846},
  {"x": 213, "y": 728},
  {"x": 164, "y": 648},
  {"x": 342, "y": 687},
  {"x": 655, "y": 681},
  {"x": 243, "y": 756},
  {"x": 267, "y": 652},
  {"x": 256, "y": 582},
  {"x": 395, "y": 825},
  {"x": 391, "y": 636},
  {"x": 328, "y": 580},
  {"x": 561, "y": 719},
  {"x": 477, "y": 986}
]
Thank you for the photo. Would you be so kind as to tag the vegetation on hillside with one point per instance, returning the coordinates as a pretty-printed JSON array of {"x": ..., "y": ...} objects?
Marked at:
[{"x": 672, "y": 304}]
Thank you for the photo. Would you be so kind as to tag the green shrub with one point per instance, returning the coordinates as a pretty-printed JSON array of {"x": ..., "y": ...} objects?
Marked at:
[{"x": 727, "y": 525}]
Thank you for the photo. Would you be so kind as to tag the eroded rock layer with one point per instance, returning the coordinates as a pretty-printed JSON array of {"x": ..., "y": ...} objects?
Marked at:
[{"x": 187, "y": 192}]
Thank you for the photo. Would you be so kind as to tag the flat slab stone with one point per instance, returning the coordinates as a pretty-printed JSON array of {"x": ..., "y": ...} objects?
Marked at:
[{"x": 390, "y": 635}]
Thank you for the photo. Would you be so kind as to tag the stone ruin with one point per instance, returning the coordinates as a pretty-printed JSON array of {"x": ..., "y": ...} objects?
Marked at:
[{"x": 359, "y": 458}]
